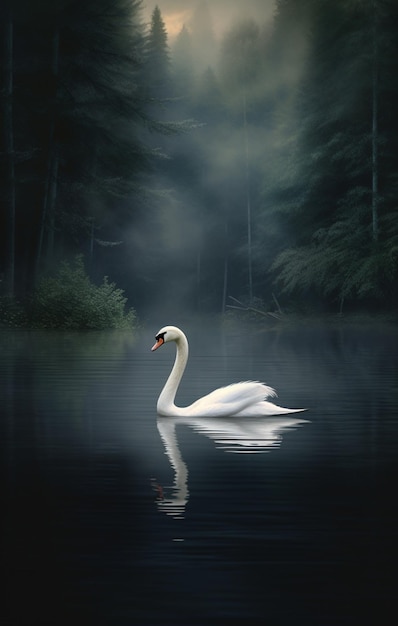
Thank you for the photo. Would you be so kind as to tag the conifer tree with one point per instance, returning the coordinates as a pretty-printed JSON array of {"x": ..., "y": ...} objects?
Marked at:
[
  {"x": 80, "y": 118},
  {"x": 183, "y": 64},
  {"x": 344, "y": 250},
  {"x": 9, "y": 191},
  {"x": 157, "y": 58}
]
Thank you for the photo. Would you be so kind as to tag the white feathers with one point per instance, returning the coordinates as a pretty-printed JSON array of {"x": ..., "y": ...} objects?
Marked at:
[{"x": 243, "y": 399}]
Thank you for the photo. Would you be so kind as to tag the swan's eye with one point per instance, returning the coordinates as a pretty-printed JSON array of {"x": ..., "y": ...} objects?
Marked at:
[{"x": 159, "y": 341}]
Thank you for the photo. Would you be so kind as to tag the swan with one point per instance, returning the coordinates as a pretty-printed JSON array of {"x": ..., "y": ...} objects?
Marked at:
[{"x": 244, "y": 399}]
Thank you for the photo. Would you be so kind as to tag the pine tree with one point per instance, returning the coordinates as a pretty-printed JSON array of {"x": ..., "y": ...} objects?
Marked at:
[
  {"x": 80, "y": 121},
  {"x": 157, "y": 58},
  {"x": 183, "y": 64},
  {"x": 8, "y": 132},
  {"x": 342, "y": 158}
]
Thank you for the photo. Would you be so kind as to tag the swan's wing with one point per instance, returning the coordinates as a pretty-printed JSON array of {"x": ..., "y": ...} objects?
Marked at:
[
  {"x": 235, "y": 398},
  {"x": 249, "y": 390}
]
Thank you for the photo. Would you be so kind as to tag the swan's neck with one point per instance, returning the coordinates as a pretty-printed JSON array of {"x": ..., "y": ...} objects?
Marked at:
[{"x": 166, "y": 405}]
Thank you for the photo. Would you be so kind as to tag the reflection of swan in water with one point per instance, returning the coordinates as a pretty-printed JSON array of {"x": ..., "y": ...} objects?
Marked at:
[
  {"x": 174, "y": 505},
  {"x": 248, "y": 435},
  {"x": 244, "y": 399}
]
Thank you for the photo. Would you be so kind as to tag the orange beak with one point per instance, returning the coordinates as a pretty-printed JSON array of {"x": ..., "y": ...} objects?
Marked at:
[{"x": 157, "y": 345}]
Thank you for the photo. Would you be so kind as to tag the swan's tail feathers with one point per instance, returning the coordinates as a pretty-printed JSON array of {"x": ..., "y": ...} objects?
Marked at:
[
  {"x": 283, "y": 410},
  {"x": 252, "y": 390},
  {"x": 269, "y": 391},
  {"x": 267, "y": 409}
]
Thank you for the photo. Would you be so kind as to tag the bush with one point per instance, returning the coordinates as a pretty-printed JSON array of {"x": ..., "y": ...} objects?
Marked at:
[
  {"x": 12, "y": 313},
  {"x": 71, "y": 301}
]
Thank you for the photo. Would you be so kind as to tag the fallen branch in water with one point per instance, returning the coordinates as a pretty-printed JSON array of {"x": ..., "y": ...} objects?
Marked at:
[{"x": 244, "y": 307}]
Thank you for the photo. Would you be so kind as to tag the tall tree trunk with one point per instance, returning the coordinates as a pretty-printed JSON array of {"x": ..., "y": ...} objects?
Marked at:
[
  {"x": 51, "y": 202},
  {"x": 47, "y": 221},
  {"x": 9, "y": 150},
  {"x": 91, "y": 246},
  {"x": 248, "y": 197},
  {"x": 225, "y": 277},
  {"x": 93, "y": 203},
  {"x": 198, "y": 279},
  {"x": 225, "y": 285},
  {"x": 375, "y": 129}
]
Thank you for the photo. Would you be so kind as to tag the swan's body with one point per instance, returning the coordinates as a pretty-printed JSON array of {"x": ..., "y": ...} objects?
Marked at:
[{"x": 245, "y": 399}]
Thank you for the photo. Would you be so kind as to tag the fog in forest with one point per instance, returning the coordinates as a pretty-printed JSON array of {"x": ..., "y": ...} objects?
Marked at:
[
  {"x": 220, "y": 59},
  {"x": 176, "y": 13},
  {"x": 195, "y": 152}
]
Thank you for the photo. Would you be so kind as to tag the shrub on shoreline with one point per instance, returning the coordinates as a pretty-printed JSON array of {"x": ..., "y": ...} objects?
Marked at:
[{"x": 70, "y": 301}]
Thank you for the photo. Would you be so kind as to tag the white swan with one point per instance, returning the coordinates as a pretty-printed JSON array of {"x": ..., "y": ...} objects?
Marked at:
[{"x": 245, "y": 399}]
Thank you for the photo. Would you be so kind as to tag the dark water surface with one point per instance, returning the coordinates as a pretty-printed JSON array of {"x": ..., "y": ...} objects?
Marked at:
[{"x": 114, "y": 517}]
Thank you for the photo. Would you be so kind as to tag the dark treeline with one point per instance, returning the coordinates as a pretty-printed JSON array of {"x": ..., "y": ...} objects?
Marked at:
[
  {"x": 75, "y": 122},
  {"x": 339, "y": 189},
  {"x": 71, "y": 127},
  {"x": 286, "y": 182}
]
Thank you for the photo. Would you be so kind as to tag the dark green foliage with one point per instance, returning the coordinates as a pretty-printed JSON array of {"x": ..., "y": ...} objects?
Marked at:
[
  {"x": 300, "y": 142},
  {"x": 80, "y": 124},
  {"x": 12, "y": 313},
  {"x": 292, "y": 162},
  {"x": 69, "y": 300},
  {"x": 337, "y": 196}
]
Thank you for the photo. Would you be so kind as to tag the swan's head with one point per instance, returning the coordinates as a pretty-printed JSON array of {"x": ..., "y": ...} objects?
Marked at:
[{"x": 165, "y": 334}]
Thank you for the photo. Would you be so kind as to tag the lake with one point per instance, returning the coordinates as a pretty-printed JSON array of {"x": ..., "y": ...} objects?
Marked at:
[{"x": 115, "y": 517}]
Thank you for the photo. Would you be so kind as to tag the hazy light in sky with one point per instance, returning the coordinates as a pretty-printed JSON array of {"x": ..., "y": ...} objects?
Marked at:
[
  {"x": 175, "y": 21},
  {"x": 176, "y": 13}
]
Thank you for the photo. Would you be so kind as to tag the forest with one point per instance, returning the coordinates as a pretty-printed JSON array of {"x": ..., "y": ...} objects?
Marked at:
[{"x": 261, "y": 164}]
